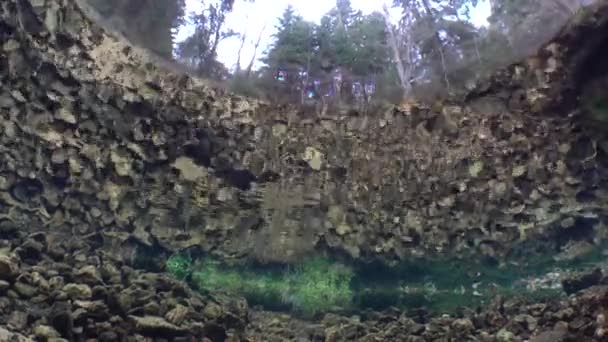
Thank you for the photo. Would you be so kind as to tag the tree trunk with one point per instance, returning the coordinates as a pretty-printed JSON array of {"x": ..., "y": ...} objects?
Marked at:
[
  {"x": 405, "y": 84},
  {"x": 438, "y": 41},
  {"x": 255, "y": 51}
]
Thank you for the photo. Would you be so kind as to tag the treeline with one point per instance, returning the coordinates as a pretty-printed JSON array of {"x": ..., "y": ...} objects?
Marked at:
[{"x": 429, "y": 49}]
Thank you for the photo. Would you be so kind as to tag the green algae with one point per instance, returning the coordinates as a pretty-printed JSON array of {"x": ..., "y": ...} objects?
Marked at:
[
  {"x": 316, "y": 285},
  {"x": 319, "y": 284},
  {"x": 179, "y": 265}
]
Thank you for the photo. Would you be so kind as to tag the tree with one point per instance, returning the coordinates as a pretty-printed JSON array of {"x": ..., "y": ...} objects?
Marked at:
[
  {"x": 199, "y": 51},
  {"x": 293, "y": 52}
]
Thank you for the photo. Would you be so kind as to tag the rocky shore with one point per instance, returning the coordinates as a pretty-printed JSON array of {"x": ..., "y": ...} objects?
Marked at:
[
  {"x": 46, "y": 296},
  {"x": 108, "y": 151}
]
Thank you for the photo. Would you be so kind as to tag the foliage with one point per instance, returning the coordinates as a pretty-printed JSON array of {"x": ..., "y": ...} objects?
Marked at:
[
  {"x": 199, "y": 51},
  {"x": 179, "y": 265}
]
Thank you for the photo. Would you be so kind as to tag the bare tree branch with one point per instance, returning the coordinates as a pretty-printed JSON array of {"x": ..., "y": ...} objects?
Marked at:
[{"x": 255, "y": 51}]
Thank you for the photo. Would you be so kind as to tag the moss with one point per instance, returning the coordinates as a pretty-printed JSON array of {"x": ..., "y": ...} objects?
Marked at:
[{"x": 179, "y": 265}]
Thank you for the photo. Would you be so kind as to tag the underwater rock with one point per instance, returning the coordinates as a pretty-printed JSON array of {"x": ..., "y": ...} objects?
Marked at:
[
  {"x": 46, "y": 332},
  {"x": 27, "y": 190},
  {"x": 155, "y": 326},
  {"x": 6, "y": 335},
  {"x": 9, "y": 268},
  {"x": 177, "y": 315},
  {"x": 78, "y": 291},
  {"x": 582, "y": 281}
]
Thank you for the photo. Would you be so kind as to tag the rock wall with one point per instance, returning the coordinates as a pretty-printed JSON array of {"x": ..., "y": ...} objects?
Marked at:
[{"x": 103, "y": 140}]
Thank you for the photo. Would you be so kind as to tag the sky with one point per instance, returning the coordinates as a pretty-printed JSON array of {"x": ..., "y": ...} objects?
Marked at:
[{"x": 260, "y": 15}]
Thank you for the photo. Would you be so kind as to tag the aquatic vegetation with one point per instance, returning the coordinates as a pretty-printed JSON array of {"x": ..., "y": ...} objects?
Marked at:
[
  {"x": 265, "y": 288},
  {"x": 179, "y": 265},
  {"x": 316, "y": 285},
  {"x": 319, "y": 285}
]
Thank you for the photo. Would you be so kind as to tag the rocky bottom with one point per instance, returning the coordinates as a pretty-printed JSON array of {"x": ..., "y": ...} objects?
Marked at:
[{"x": 64, "y": 290}]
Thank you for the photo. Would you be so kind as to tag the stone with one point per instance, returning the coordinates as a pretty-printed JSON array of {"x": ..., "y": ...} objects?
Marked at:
[
  {"x": 67, "y": 116},
  {"x": 475, "y": 169},
  {"x": 78, "y": 291},
  {"x": 25, "y": 290},
  {"x": 505, "y": 335},
  {"x": 188, "y": 169},
  {"x": 17, "y": 320},
  {"x": 46, "y": 332},
  {"x": 8, "y": 268},
  {"x": 155, "y": 326},
  {"x": 4, "y": 285},
  {"x": 279, "y": 129},
  {"x": 177, "y": 315},
  {"x": 582, "y": 281},
  {"x": 314, "y": 158},
  {"x": 6, "y": 335},
  {"x": 89, "y": 275},
  {"x": 463, "y": 324},
  {"x": 122, "y": 162}
]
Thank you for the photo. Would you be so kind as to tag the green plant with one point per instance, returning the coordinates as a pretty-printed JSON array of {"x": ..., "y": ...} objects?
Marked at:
[
  {"x": 258, "y": 288},
  {"x": 179, "y": 265},
  {"x": 210, "y": 276},
  {"x": 319, "y": 285}
]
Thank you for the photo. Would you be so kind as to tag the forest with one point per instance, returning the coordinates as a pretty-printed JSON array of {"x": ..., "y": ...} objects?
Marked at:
[{"x": 431, "y": 51}]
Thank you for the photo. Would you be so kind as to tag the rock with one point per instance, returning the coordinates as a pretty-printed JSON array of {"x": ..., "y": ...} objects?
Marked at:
[
  {"x": 65, "y": 115},
  {"x": 122, "y": 162},
  {"x": 212, "y": 311},
  {"x": 25, "y": 290},
  {"x": 314, "y": 158},
  {"x": 45, "y": 332},
  {"x": 279, "y": 129},
  {"x": 155, "y": 326},
  {"x": 6, "y": 335},
  {"x": 4, "y": 285},
  {"x": 8, "y": 268},
  {"x": 550, "y": 336},
  {"x": 505, "y": 335},
  {"x": 177, "y": 315},
  {"x": 89, "y": 275},
  {"x": 78, "y": 291},
  {"x": 463, "y": 325},
  {"x": 17, "y": 320},
  {"x": 582, "y": 281},
  {"x": 343, "y": 229},
  {"x": 188, "y": 169},
  {"x": 475, "y": 169}
]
